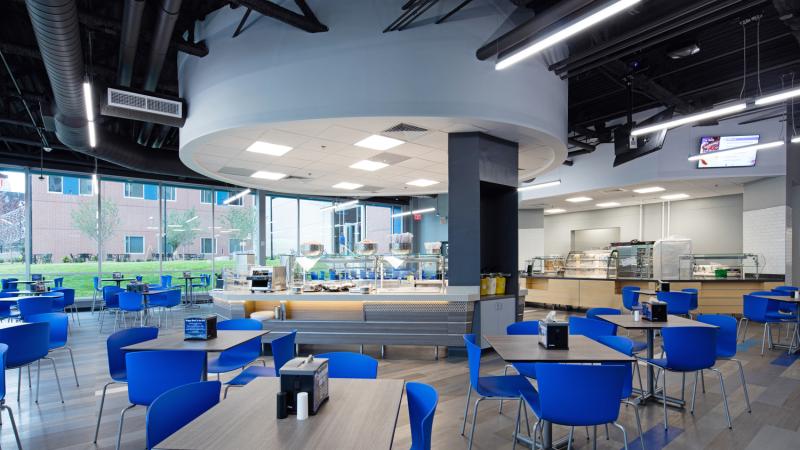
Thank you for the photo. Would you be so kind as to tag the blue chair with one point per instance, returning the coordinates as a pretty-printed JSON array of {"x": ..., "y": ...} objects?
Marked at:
[
  {"x": 3, "y": 406},
  {"x": 117, "y": 369},
  {"x": 175, "y": 408},
  {"x": 528, "y": 370},
  {"x": 564, "y": 395},
  {"x": 28, "y": 343},
  {"x": 30, "y": 306},
  {"x": 625, "y": 345},
  {"x": 98, "y": 291},
  {"x": 152, "y": 373},
  {"x": 166, "y": 301},
  {"x": 592, "y": 313},
  {"x": 630, "y": 297},
  {"x": 761, "y": 310},
  {"x": 67, "y": 301},
  {"x": 789, "y": 289},
  {"x": 282, "y": 352},
  {"x": 689, "y": 349},
  {"x": 9, "y": 285},
  {"x": 422, "y": 401},
  {"x": 138, "y": 278},
  {"x": 504, "y": 387},
  {"x": 59, "y": 333},
  {"x": 350, "y": 365},
  {"x": 240, "y": 356},
  {"x": 58, "y": 282},
  {"x": 790, "y": 308},
  {"x": 166, "y": 281},
  {"x": 591, "y": 328},
  {"x": 110, "y": 304},
  {"x": 726, "y": 345},
  {"x": 694, "y": 303},
  {"x": 130, "y": 302},
  {"x": 678, "y": 303}
]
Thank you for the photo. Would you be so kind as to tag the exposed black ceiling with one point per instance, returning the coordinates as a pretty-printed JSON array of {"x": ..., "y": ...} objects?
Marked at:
[{"x": 634, "y": 47}]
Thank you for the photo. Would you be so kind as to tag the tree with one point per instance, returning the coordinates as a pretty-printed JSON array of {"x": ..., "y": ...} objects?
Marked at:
[
  {"x": 241, "y": 222},
  {"x": 180, "y": 229},
  {"x": 85, "y": 219}
]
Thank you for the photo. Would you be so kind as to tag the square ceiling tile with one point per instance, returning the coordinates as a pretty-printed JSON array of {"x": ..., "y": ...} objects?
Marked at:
[
  {"x": 435, "y": 139},
  {"x": 435, "y": 156},
  {"x": 342, "y": 134},
  {"x": 283, "y": 138},
  {"x": 414, "y": 163}
]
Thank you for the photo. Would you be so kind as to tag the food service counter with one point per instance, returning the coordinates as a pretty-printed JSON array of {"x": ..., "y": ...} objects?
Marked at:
[
  {"x": 421, "y": 316},
  {"x": 715, "y": 296}
]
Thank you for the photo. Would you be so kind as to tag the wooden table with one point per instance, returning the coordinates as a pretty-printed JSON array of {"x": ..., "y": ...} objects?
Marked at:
[
  {"x": 626, "y": 321},
  {"x": 225, "y": 340},
  {"x": 360, "y": 414},
  {"x": 526, "y": 348}
]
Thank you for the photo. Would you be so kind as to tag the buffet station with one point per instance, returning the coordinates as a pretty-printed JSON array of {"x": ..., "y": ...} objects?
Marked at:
[
  {"x": 366, "y": 298},
  {"x": 595, "y": 278}
]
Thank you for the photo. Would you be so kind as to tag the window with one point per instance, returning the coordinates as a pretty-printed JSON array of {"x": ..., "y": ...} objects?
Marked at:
[
  {"x": 134, "y": 244},
  {"x": 223, "y": 195},
  {"x": 55, "y": 185},
  {"x": 236, "y": 245},
  {"x": 85, "y": 186},
  {"x": 134, "y": 190},
  {"x": 284, "y": 226},
  {"x": 169, "y": 193},
  {"x": 206, "y": 197},
  {"x": 207, "y": 246}
]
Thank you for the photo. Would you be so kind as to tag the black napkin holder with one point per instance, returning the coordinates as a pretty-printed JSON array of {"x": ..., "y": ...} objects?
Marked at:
[
  {"x": 200, "y": 328},
  {"x": 654, "y": 311},
  {"x": 305, "y": 375},
  {"x": 554, "y": 335}
]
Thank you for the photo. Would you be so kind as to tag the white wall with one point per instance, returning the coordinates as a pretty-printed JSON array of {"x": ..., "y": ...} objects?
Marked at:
[
  {"x": 764, "y": 233},
  {"x": 531, "y": 235}
]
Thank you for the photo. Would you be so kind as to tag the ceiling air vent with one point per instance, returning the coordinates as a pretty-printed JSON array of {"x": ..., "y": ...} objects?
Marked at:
[
  {"x": 145, "y": 107},
  {"x": 405, "y": 132}
]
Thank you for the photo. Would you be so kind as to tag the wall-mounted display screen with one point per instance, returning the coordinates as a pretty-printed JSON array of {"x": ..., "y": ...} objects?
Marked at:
[{"x": 711, "y": 144}]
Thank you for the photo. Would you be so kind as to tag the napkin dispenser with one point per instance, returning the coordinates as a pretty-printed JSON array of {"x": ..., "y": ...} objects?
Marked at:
[
  {"x": 554, "y": 335},
  {"x": 137, "y": 287},
  {"x": 305, "y": 375},
  {"x": 117, "y": 276},
  {"x": 663, "y": 286},
  {"x": 187, "y": 274},
  {"x": 200, "y": 328},
  {"x": 654, "y": 311}
]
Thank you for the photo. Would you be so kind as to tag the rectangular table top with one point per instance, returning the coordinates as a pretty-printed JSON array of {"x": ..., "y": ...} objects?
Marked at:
[
  {"x": 626, "y": 321},
  {"x": 526, "y": 348},
  {"x": 647, "y": 292},
  {"x": 226, "y": 339},
  {"x": 360, "y": 414},
  {"x": 781, "y": 298},
  {"x": 31, "y": 281},
  {"x": 108, "y": 280}
]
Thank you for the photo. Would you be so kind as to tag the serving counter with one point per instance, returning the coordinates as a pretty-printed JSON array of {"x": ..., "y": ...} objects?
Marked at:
[
  {"x": 421, "y": 316},
  {"x": 715, "y": 296}
]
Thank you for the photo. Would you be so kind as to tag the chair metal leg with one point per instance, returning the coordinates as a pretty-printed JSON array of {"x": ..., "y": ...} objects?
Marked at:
[
  {"x": 763, "y": 339},
  {"x": 724, "y": 397},
  {"x": 74, "y": 372},
  {"x": 58, "y": 381},
  {"x": 466, "y": 408},
  {"x": 569, "y": 438},
  {"x": 100, "y": 412},
  {"x": 744, "y": 385},
  {"x": 638, "y": 421},
  {"x": 703, "y": 381},
  {"x": 19, "y": 383},
  {"x": 639, "y": 375},
  {"x": 694, "y": 391},
  {"x": 121, "y": 420},
  {"x": 505, "y": 372},
  {"x": 664, "y": 394},
  {"x": 516, "y": 427},
  {"x": 38, "y": 376},
  {"x": 624, "y": 434},
  {"x": 474, "y": 421},
  {"x": 13, "y": 424}
]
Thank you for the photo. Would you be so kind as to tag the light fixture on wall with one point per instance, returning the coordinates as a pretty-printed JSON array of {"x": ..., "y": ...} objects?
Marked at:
[
  {"x": 746, "y": 148},
  {"x": 532, "y": 187},
  {"x": 719, "y": 112},
  {"x": 585, "y": 22},
  {"x": 230, "y": 200}
]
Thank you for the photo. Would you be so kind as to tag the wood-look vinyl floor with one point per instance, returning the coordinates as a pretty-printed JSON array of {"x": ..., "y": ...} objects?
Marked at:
[{"x": 773, "y": 382}]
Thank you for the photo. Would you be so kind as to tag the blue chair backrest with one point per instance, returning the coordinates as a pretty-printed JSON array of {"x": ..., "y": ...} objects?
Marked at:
[
  {"x": 726, "y": 335},
  {"x": 529, "y": 328},
  {"x": 591, "y": 328},
  {"x": 677, "y": 302},
  {"x": 27, "y": 342},
  {"x": 29, "y": 306},
  {"x": 474, "y": 360},
  {"x": 630, "y": 297},
  {"x": 69, "y": 295},
  {"x": 690, "y": 348},
  {"x": 283, "y": 350},
  {"x": 789, "y": 289},
  {"x": 111, "y": 296},
  {"x": 422, "y": 400},
  {"x": 59, "y": 325},
  {"x": 115, "y": 343},
  {"x": 96, "y": 283},
  {"x": 176, "y": 407},
  {"x": 251, "y": 348},
  {"x": 592, "y": 313},
  {"x": 151, "y": 373},
  {"x": 755, "y": 308},
  {"x": 350, "y": 365},
  {"x": 58, "y": 282},
  {"x": 3, "y": 351},
  {"x": 624, "y": 345},
  {"x": 695, "y": 294},
  {"x": 139, "y": 278},
  {"x": 130, "y": 301},
  {"x": 564, "y": 393},
  {"x": 166, "y": 280}
]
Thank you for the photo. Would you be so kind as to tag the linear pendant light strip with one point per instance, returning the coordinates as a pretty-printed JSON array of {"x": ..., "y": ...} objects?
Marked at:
[
  {"x": 690, "y": 119},
  {"x": 230, "y": 200},
  {"x": 565, "y": 33},
  {"x": 779, "y": 97}
]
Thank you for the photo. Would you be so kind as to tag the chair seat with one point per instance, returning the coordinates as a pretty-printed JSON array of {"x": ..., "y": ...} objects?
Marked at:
[
  {"x": 527, "y": 370},
  {"x": 503, "y": 386},
  {"x": 639, "y": 346},
  {"x": 251, "y": 373},
  {"x": 222, "y": 365},
  {"x": 120, "y": 376}
]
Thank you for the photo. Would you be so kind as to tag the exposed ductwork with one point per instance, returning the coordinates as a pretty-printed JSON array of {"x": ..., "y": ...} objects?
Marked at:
[
  {"x": 129, "y": 40},
  {"x": 55, "y": 25}
]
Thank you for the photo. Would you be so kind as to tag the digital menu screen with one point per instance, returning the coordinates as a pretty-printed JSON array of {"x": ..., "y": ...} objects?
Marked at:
[{"x": 711, "y": 144}]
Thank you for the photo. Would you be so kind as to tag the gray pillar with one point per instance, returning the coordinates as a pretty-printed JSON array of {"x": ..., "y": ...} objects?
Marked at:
[{"x": 793, "y": 204}]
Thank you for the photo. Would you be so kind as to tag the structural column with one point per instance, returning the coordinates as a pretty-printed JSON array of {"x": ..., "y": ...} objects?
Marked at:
[{"x": 792, "y": 203}]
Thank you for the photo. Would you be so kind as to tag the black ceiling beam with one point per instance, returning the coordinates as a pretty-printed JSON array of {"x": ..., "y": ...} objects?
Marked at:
[
  {"x": 453, "y": 11},
  {"x": 650, "y": 87},
  {"x": 530, "y": 27},
  {"x": 198, "y": 49},
  {"x": 308, "y": 23}
]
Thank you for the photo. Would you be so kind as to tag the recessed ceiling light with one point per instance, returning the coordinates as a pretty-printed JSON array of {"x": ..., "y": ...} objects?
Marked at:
[
  {"x": 422, "y": 182},
  {"x": 607, "y": 204},
  {"x": 348, "y": 186},
  {"x": 266, "y": 148},
  {"x": 579, "y": 199},
  {"x": 265, "y": 175},
  {"x": 531, "y": 187},
  {"x": 368, "y": 165},
  {"x": 649, "y": 190},
  {"x": 674, "y": 196},
  {"x": 378, "y": 142},
  {"x": 554, "y": 211}
]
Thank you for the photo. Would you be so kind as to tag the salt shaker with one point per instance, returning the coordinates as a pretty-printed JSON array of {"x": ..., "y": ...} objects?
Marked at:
[{"x": 302, "y": 406}]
